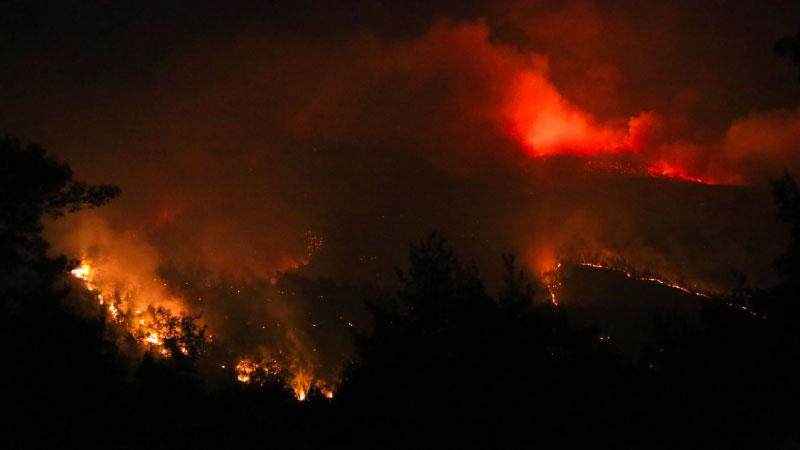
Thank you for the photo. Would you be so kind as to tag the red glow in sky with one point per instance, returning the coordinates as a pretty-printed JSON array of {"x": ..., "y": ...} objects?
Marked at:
[
  {"x": 545, "y": 124},
  {"x": 548, "y": 124}
]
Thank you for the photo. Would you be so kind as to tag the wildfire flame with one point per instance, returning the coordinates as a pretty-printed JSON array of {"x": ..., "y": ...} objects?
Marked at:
[
  {"x": 250, "y": 371},
  {"x": 552, "y": 283},
  {"x": 155, "y": 329},
  {"x": 665, "y": 170},
  {"x": 150, "y": 329}
]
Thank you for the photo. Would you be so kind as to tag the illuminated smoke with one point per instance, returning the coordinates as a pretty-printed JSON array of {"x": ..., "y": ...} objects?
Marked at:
[
  {"x": 121, "y": 275},
  {"x": 265, "y": 151}
]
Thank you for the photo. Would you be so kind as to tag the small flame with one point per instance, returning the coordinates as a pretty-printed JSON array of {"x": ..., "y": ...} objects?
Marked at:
[
  {"x": 250, "y": 371},
  {"x": 153, "y": 338},
  {"x": 300, "y": 384},
  {"x": 83, "y": 272},
  {"x": 552, "y": 283},
  {"x": 245, "y": 370}
]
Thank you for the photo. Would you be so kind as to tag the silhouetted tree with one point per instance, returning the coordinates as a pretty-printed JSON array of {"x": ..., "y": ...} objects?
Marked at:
[
  {"x": 787, "y": 199},
  {"x": 739, "y": 367},
  {"x": 518, "y": 290},
  {"x": 789, "y": 47},
  {"x": 781, "y": 303},
  {"x": 447, "y": 366},
  {"x": 52, "y": 358},
  {"x": 33, "y": 186},
  {"x": 437, "y": 288}
]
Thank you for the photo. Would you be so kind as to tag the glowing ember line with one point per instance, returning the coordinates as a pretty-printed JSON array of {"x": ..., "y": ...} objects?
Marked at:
[
  {"x": 553, "y": 298},
  {"x": 645, "y": 279},
  {"x": 552, "y": 283},
  {"x": 668, "y": 284},
  {"x": 664, "y": 170}
]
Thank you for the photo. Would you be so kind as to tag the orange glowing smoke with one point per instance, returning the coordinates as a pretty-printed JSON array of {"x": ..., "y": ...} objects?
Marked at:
[{"x": 546, "y": 123}]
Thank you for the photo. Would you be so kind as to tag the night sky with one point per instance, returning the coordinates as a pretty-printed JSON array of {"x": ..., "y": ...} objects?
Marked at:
[{"x": 259, "y": 141}]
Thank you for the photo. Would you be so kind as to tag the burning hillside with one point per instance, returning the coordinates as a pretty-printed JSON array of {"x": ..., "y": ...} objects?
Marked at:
[
  {"x": 287, "y": 323},
  {"x": 453, "y": 127},
  {"x": 150, "y": 324},
  {"x": 590, "y": 178},
  {"x": 143, "y": 314}
]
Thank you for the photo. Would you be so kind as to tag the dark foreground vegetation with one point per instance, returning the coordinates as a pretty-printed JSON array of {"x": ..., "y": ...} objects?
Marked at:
[{"x": 445, "y": 365}]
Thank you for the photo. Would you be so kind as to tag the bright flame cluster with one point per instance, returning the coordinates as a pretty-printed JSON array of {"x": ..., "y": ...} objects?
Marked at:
[
  {"x": 259, "y": 372},
  {"x": 158, "y": 330},
  {"x": 552, "y": 283},
  {"x": 152, "y": 328}
]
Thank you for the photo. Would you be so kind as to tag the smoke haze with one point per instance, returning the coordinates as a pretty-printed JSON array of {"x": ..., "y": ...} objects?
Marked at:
[{"x": 320, "y": 144}]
